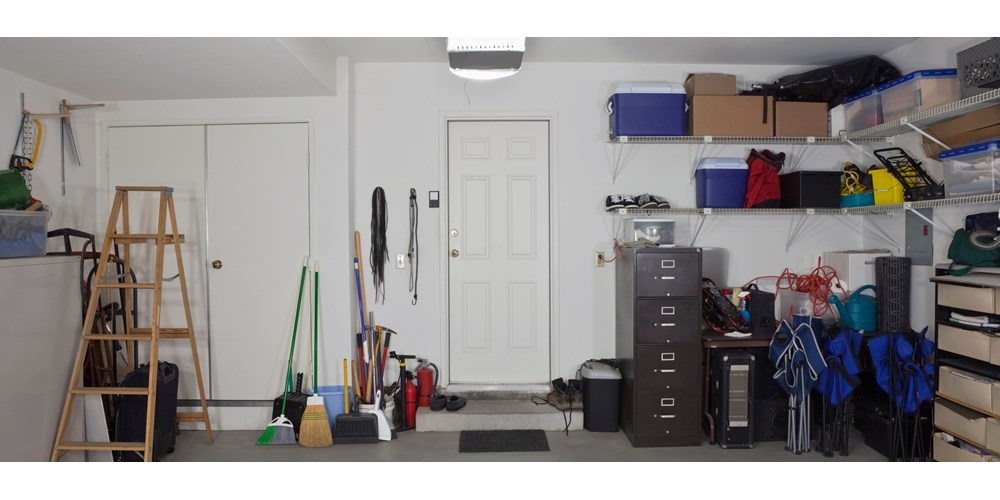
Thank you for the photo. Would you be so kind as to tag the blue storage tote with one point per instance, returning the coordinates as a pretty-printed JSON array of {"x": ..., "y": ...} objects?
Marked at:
[
  {"x": 863, "y": 110},
  {"x": 721, "y": 182},
  {"x": 918, "y": 91},
  {"x": 648, "y": 109},
  {"x": 971, "y": 170},
  {"x": 22, "y": 233}
]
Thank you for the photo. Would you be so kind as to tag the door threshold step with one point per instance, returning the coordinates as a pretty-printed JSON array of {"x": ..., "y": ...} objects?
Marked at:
[{"x": 479, "y": 414}]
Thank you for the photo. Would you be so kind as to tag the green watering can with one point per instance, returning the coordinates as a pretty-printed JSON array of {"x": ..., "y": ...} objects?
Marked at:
[{"x": 860, "y": 312}]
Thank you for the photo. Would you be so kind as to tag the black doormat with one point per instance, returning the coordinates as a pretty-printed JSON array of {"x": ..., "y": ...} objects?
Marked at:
[{"x": 518, "y": 440}]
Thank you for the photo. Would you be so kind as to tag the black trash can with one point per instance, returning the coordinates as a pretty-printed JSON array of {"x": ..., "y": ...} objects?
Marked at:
[{"x": 601, "y": 393}]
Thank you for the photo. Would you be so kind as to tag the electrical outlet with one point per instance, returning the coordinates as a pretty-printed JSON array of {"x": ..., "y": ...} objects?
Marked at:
[
  {"x": 599, "y": 261},
  {"x": 400, "y": 261}
]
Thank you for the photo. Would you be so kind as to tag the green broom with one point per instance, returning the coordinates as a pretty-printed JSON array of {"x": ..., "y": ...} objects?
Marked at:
[
  {"x": 315, "y": 429},
  {"x": 281, "y": 430}
]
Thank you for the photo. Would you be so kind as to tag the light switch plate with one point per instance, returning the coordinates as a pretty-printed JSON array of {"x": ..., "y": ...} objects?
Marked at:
[{"x": 400, "y": 261}]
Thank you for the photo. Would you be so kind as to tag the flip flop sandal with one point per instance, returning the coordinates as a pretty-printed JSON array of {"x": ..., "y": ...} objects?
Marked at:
[
  {"x": 455, "y": 403},
  {"x": 438, "y": 402}
]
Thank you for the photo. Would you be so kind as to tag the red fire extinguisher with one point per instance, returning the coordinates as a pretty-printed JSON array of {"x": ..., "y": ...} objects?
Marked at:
[
  {"x": 426, "y": 382},
  {"x": 411, "y": 402}
]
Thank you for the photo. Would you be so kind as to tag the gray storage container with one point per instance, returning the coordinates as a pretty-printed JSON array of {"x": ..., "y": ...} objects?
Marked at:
[{"x": 601, "y": 393}]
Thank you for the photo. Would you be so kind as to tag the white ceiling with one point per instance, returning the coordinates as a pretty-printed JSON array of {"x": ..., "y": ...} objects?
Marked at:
[{"x": 197, "y": 68}]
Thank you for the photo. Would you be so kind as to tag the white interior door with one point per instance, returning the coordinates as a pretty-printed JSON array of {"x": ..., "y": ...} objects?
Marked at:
[
  {"x": 498, "y": 273},
  {"x": 258, "y": 215},
  {"x": 242, "y": 197},
  {"x": 165, "y": 156}
]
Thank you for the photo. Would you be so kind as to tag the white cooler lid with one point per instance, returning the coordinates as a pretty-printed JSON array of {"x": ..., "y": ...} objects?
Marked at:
[
  {"x": 649, "y": 88},
  {"x": 594, "y": 371},
  {"x": 722, "y": 163}
]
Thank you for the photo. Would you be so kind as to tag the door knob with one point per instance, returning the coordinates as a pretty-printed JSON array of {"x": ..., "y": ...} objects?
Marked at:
[
  {"x": 217, "y": 264},
  {"x": 454, "y": 253},
  {"x": 453, "y": 233}
]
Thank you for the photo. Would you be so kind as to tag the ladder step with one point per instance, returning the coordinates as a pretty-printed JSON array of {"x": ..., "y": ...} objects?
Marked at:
[
  {"x": 141, "y": 335},
  {"x": 145, "y": 188},
  {"x": 114, "y": 445},
  {"x": 147, "y": 286},
  {"x": 124, "y": 391},
  {"x": 144, "y": 238},
  {"x": 191, "y": 416}
]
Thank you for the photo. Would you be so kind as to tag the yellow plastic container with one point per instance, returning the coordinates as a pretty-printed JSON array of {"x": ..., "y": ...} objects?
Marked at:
[{"x": 888, "y": 189}]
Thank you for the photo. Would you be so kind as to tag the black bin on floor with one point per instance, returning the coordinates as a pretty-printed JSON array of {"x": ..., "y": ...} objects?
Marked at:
[{"x": 601, "y": 393}]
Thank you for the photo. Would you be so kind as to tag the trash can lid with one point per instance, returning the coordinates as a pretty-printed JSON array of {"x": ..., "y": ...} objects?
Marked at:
[{"x": 594, "y": 370}]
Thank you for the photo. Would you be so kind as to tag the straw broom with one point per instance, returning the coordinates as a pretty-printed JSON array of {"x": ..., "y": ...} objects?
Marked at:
[
  {"x": 314, "y": 432},
  {"x": 281, "y": 430}
]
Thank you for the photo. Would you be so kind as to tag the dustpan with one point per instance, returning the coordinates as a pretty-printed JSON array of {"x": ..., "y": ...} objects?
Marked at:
[{"x": 355, "y": 428}]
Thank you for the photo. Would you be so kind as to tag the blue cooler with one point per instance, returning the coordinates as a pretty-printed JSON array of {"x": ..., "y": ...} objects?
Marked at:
[
  {"x": 648, "y": 109},
  {"x": 721, "y": 182}
]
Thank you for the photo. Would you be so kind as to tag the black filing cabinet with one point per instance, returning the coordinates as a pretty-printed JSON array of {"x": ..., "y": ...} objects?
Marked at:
[{"x": 658, "y": 343}]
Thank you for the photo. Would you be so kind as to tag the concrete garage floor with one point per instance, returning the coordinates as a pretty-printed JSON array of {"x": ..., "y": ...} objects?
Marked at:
[{"x": 578, "y": 446}]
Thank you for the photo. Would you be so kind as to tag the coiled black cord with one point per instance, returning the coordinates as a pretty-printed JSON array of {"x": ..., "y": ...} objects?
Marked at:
[{"x": 379, "y": 254}]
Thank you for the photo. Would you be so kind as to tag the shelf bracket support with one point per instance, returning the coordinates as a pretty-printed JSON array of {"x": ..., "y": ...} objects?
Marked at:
[
  {"x": 861, "y": 149},
  {"x": 795, "y": 226},
  {"x": 875, "y": 229},
  {"x": 701, "y": 222},
  {"x": 946, "y": 230},
  {"x": 925, "y": 134}
]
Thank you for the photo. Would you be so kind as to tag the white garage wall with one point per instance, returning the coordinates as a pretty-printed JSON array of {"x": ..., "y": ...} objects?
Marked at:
[
  {"x": 398, "y": 113},
  {"x": 76, "y": 208}
]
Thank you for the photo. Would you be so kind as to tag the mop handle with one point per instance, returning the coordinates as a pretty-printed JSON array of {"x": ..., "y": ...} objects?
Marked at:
[
  {"x": 361, "y": 314},
  {"x": 315, "y": 327},
  {"x": 295, "y": 328}
]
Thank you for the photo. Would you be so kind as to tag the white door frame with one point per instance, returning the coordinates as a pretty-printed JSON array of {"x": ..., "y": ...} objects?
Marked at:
[{"x": 498, "y": 116}]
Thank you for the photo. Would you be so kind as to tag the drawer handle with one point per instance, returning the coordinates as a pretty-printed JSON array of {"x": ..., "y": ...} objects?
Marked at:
[
  {"x": 667, "y": 325},
  {"x": 666, "y": 370},
  {"x": 667, "y": 356},
  {"x": 667, "y": 311},
  {"x": 666, "y": 401},
  {"x": 667, "y": 264},
  {"x": 664, "y": 416},
  {"x": 664, "y": 277}
]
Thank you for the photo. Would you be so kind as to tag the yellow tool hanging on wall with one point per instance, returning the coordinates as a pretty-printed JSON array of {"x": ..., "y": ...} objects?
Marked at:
[{"x": 29, "y": 137}]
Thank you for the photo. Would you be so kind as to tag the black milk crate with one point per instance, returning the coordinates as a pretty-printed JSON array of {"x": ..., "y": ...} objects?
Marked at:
[
  {"x": 979, "y": 68},
  {"x": 892, "y": 281}
]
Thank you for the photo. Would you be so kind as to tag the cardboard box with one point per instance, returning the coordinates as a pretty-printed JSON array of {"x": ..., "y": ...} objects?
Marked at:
[
  {"x": 855, "y": 268},
  {"x": 974, "y": 127},
  {"x": 729, "y": 115},
  {"x": 710, "y": 84},
  {"x": 958, "y": 420},
  {"x": 970, "y": 389},
  {"x": 969, "y": 343},
  {"x": 800, "y": 119}
]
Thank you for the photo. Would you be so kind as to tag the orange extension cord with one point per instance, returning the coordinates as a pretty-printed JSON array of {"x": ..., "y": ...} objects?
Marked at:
[{"x": 819, "y": 284}]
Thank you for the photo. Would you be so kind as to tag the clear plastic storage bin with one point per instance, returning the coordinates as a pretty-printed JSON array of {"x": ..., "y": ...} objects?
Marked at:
[
  {"x": 918, "y": 91},
  {"x": 23, "y": 234},
  {"x": 862, "y": 111},
  {"x": 972, "y": 170}
]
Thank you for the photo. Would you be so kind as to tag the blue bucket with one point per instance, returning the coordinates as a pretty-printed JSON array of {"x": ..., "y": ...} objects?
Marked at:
[
  {"x": 858, "y": 200},
  {"x": 333, "y": 400}
]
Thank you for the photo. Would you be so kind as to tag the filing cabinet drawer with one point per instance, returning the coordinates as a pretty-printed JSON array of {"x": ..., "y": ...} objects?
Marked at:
[
  {"x": 666, "y": 321},
  {"x": 668, "y": 274},
  {"x": 667, "y": 367},
  {"x": 968, "y": 297},
  {"x": 667, "y": 412}
]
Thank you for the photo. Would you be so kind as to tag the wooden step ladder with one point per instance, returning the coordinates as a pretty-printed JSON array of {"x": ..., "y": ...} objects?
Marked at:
[{"x": 152, "y": 334}]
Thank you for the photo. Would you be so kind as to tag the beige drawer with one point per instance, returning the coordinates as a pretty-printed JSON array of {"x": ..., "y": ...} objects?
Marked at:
[
  {"x": 969, "y": 343},
  {"x": 969, "y": 297},
  {"x": 992, "y": 434},
  {"x": 946, "y": 452},
  {"x": 960, "y": 421},
  {"x": 969, "y": 389}
]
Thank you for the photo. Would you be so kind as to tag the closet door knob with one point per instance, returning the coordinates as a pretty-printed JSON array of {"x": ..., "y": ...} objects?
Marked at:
[
  {"x": 217, "y": 264},
  {"x": 454, "y": 253}
]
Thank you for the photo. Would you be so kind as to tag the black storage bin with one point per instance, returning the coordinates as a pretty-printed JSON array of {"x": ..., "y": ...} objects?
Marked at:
[
  {"x": 601, "y": 396},
  {"x": 810, "y": 189},
  {"x": 130, "y": 420}
]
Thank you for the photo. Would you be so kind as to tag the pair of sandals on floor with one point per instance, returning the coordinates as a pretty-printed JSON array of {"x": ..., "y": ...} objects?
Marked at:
[{"x": 452, "y": 403}]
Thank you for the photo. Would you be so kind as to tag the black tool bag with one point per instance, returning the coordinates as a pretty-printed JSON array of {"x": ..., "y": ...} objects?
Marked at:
[
  {"x": 983, "y": 221},
  {"x": 761, "y": 307},
  {"x": 719, "y": 312},
  {"x": 130, "y": 420}
]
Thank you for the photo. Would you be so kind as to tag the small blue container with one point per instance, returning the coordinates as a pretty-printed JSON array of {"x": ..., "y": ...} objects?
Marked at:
[
  {"x": 858, "y": 200},
  {"x": 333, "y": 401},
  {"x": 648, "y": 109},
  {"x": 721, "y": 182}
]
